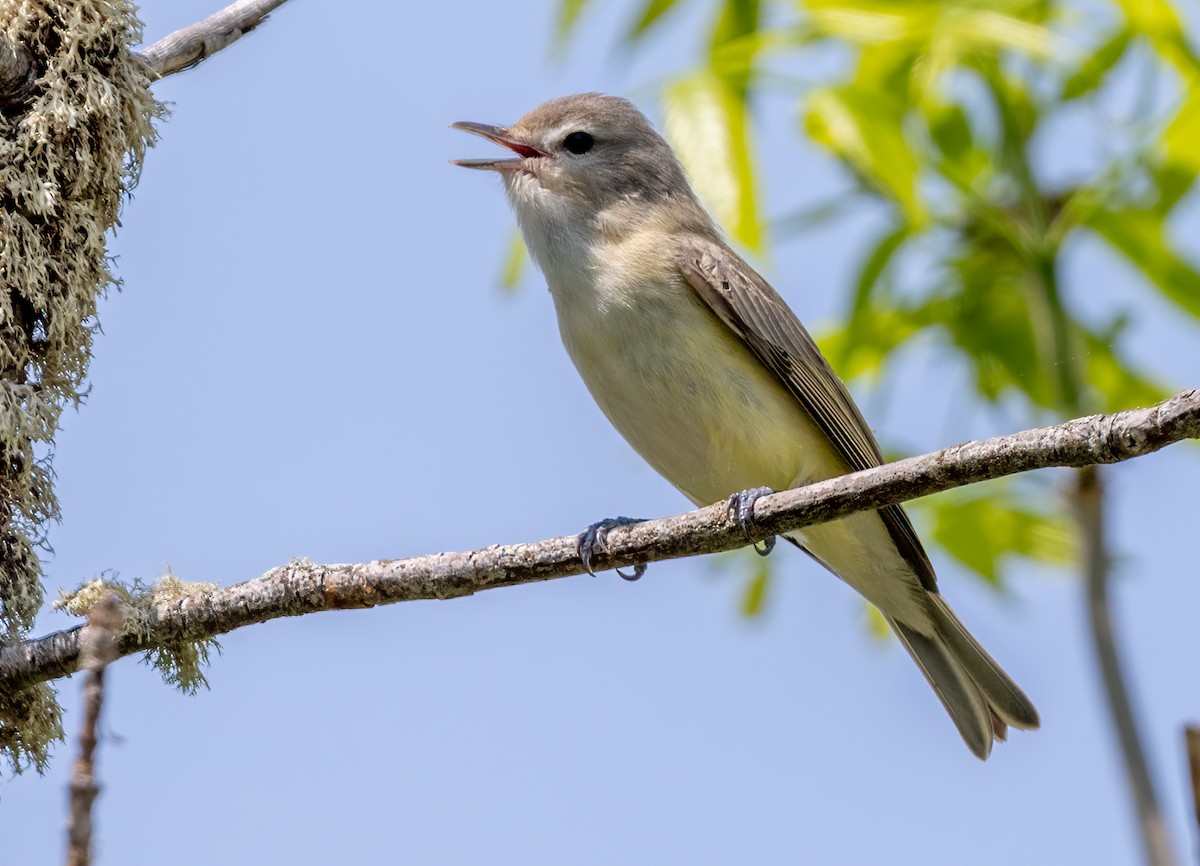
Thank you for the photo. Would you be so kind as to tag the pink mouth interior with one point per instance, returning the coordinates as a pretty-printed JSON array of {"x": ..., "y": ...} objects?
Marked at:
[{"x": 522, "y": 149}]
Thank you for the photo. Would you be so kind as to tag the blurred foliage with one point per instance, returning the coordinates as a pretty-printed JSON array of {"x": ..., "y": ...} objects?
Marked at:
[
  {"x": 708, "y": 121},
  {"x": 935, "y": 112},
  {"x": 514, "y": 263},
  {"x": 755, "y": 595},
  {"x": 982, "y": 525}
]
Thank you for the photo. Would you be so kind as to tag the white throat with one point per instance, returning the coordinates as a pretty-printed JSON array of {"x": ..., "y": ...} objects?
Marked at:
[{"x": 560, "y": 232}]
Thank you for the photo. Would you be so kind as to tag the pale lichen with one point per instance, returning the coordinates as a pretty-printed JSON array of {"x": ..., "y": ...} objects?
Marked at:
[
  {"x": 69, "y": 155},
  {"x": 79, "y": 601},
  {"x": 181, "y": 662},
  {"x": 30, "y": 720}
]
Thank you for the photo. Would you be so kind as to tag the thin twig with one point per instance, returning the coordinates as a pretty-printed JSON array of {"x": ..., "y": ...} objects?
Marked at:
[
  {"x": 1191, "y": 736},
  {"x": 180, "y": 50},
  {"x": 1089, "y": 507},
  {"x": 302, "y": 587},
  {"x": 185, "y": 48},
  {"x": 98, "y": 647}
]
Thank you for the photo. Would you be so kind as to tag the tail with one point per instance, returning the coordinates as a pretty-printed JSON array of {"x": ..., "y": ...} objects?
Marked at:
[{"x": 980, "y": 697}]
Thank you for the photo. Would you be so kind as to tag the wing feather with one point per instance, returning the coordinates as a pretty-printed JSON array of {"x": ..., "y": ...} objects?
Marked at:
[{"x": 757, "y": 315}]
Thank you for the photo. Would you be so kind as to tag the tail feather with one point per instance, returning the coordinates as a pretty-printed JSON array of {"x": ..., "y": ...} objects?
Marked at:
[
  {"x": 999, "y": 729},
  {"x": 958, "y": 693},
  {"x": 980, "y": 697},
  {"x": 1005, "y": 696}
]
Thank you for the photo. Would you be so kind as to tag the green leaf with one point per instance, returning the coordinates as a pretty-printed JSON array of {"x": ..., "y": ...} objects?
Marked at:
[
  {"x": 865, "y": 130},
  {"x": 982, "y": 526},
  {"x": 877, "y": 625},
  {"x": 1019, "y": 114},
  {"x": 649, "y": 15},
  {"x": 964, "y": 164},
  {"x": 708, "y": 124},
  {"x": 871, "y": 23},
  {"x": 878, "y": 260},
  {"x": 755, "y": 595},
  {"x": 987, "y": 312},
  {"x": 873, "y": 329},
  {"x": 737, "y": 56},
  {"x": 945, "y": 34},
  {"x": 1181, "y": 153},
  {"x": 1140, "y": 235},
  {"x": 1097, "y": 65},
  {"x": 514, "y": 263},
  {"x": 949, "y": 128},
  {"x": 736, "y": 24},
  {"x": 569, "y": 12},
  {"x": 738, "y": 18},
  {"x": 865, "y": 348},
  {"x": 1159, "y": 22},
  {"x": 967, "y": 29}
]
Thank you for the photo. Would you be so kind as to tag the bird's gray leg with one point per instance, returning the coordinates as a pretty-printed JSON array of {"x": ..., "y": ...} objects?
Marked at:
[
  {"x": 740, "y": 507},
  {"x": 594, "y": 537}
]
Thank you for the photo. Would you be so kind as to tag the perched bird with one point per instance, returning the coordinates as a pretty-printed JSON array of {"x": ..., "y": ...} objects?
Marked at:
[{"x": 710, "y": 376}]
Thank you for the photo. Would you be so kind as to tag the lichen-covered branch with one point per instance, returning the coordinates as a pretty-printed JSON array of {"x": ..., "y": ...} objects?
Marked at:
[
  {"x": 76, "y": 117},
  {"x": 185, "y": 48},
  {"x": 302, "y": 587},
  {"x": 71, "y": 147},
  {"x": 98, "y": 648}
]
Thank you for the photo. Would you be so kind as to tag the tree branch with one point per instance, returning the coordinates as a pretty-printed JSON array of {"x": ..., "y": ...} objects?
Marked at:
[
  {"x": 185, "y": 48},
  {"x": 1089, "y": 509},
  {"x": 176, "y": 52},
  {"x": 1191, "y": 739},
  {"x": 302, "y": 587},
  {"x": 99, "y": 647}
]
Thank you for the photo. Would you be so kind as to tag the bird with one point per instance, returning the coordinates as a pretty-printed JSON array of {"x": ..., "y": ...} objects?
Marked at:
[{"x": 710, "y": 376}]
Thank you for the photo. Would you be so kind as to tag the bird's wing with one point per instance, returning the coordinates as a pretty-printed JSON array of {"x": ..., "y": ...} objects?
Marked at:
[{"x": 756, "y": 314}]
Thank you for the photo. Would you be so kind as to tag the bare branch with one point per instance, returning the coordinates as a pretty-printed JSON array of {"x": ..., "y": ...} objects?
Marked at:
[
  {"x": 180, "y": 50},
  {"x": 1096, "y": 566},
  {"x": 98, "y": 647},
  {"x": 302, "y": 587},
  {"x": 1191, "y": 736},
  {"x": 185, "y": 48}
]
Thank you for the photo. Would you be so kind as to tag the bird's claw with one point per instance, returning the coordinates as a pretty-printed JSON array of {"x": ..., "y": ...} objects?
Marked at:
[
  {"x": 740, "y": 508},
  {"x": 594, "y": 537}
]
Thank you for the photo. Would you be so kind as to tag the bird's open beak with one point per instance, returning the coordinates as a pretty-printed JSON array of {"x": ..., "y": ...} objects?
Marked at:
[{"x": 500, "y": 136}]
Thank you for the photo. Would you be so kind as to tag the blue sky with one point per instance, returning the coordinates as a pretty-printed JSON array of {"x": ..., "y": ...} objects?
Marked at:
[{"x": 311, "y": 357}]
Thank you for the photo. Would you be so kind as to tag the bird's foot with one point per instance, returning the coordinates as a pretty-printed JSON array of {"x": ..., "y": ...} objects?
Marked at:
[
  {"x": 740, "y": 508},
  {"x": 594, "y": 537}
]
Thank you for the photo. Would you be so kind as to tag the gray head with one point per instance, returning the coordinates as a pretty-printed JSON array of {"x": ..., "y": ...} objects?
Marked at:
[{"x": 584, "y": 157}]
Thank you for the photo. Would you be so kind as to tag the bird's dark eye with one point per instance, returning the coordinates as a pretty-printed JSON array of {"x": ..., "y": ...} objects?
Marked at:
[{"x": 578, "y": 142}]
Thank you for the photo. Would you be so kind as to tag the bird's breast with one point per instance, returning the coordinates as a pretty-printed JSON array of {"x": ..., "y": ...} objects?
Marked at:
[{"x": 681, "y": 388}]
